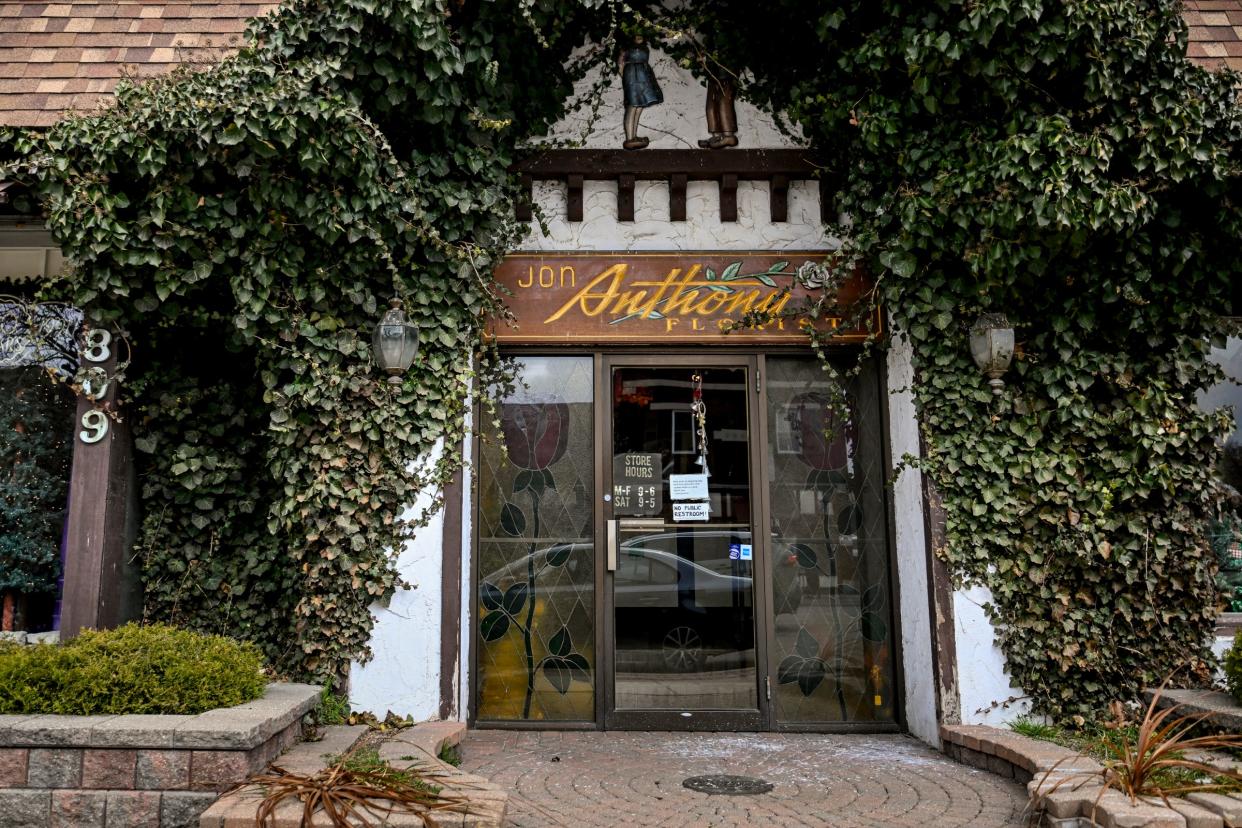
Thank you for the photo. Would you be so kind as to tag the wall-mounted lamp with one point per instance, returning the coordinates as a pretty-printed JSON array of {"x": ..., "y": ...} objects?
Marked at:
[
  {"x": 991, "y": 345},
  {"x": 395, "y": 342}
]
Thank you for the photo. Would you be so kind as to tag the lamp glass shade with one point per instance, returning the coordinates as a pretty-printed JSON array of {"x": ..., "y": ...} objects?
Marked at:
[
  {"x": 395, "y": 342},
  {"x": 991, "y": 346}
]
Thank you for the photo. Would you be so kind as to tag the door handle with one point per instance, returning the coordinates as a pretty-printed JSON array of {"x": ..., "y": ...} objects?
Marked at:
[{"x": 612, "y": 545}]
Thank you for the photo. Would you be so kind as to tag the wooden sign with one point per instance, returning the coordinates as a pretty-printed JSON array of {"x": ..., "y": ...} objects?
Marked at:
[{"x": 665, "y": 297}]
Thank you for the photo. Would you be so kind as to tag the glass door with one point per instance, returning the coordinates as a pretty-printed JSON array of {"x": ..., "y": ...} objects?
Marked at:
[{"x": 681, "y": 594}]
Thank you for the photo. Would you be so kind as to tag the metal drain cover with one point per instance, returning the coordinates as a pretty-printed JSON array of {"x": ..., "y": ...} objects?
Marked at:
[{"x": 723, "y": 783}]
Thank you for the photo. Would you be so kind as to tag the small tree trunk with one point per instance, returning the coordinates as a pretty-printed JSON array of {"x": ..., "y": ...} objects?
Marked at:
[{"x": 7, "y": 617}]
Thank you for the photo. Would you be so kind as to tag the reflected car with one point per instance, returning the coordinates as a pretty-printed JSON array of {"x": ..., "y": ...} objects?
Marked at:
[{"x": 679, "y": 597}]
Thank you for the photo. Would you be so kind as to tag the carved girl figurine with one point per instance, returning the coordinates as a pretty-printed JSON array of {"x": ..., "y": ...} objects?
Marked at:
[{"x": 641, "y": 90}]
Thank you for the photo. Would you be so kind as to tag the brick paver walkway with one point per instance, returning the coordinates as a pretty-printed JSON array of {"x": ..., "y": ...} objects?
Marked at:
[{"x": 617, "y": 779}]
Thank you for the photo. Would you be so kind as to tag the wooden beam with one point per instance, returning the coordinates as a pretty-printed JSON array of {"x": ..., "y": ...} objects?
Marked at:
[
  {"x": 677, "y": 197},
  {"x": 451, "y": 597},
  {"x": 523, "y": 207},
  {"x": 662, "y": 165},
  {"x": 778, "y": 197},
  {"x": 625, "y": 198},
  {"x": 827, "y": 201},
  {"x": 575, "y": 197},
  {"x": 728, "y": 197}
]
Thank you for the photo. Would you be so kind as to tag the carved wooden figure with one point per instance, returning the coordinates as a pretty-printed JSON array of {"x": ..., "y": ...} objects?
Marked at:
[
  {"x": 721, "y": 114},
  {"x": 639, "y": 86}
]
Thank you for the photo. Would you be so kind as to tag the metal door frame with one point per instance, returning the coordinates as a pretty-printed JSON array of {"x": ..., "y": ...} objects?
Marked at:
[
  {"x": 754, "y": 359},
  {"x": 718, "y": 720}
]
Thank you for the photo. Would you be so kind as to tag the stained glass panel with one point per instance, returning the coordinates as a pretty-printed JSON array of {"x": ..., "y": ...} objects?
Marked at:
[
  {"x": 536, "y": 553},
  {"x": 829, "y": 539}
]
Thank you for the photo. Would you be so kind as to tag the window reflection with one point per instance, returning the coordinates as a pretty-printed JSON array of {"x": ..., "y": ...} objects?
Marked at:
[
  {"x": 829, "y": 532},
  {"x": 1226, "y": 532}
]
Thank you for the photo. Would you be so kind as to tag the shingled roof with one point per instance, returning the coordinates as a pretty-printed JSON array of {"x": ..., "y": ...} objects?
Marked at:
[
  {"x": 1215, "y": 33},
  {"x": 64, "y": 56},
  {"x": 56, "y": 57}
]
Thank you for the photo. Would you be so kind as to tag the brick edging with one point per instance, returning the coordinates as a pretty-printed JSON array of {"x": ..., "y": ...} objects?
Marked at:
[{"x": 1066, "y": 786}]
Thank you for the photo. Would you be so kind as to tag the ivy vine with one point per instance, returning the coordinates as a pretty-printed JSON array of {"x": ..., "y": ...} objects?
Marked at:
[
  {"x": 1061, "y": 162},
  {"x": 243, "y": 224},
  {"x": 1058, "y": 161}
]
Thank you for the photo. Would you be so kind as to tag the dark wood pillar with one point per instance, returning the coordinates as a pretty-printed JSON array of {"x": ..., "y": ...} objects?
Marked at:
[
  {"x": 940, "y": 587},
  {"x": 451, "y": 598},
  {"x": 102, "y": 587}
]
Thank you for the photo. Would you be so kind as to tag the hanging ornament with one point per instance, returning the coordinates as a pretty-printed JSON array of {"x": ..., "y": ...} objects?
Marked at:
[{"x": 698, "y": 411}]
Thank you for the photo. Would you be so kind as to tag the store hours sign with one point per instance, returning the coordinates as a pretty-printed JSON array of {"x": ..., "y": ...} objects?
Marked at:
[{"x": 636, "y": 484}]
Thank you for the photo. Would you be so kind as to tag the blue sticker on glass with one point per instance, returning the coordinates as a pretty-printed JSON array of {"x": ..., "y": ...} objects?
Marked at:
[
  {"x": 735, "y": 551},
  {"x": 746, "y": 552}
]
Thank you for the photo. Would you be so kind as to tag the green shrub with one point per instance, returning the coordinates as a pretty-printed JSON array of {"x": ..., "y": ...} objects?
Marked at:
[
  {"x": 133, "y": 669},
  {"x": 1233, "y": 667}
]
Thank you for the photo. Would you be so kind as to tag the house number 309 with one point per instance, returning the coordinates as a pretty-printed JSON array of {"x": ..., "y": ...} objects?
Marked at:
[
  {"x": 94, "y": 426},
  {"x": 95, "y": 422}
]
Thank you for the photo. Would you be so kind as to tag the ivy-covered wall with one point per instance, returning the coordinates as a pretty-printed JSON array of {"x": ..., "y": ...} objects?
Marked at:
[
  {"x": 1057, "y": 161},
  {"x": 244, "y": 224},
  {"x": 1061, "y": 162}
]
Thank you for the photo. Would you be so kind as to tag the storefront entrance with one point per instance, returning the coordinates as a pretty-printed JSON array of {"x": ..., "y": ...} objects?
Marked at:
[
  {"x": 681, "y": 558},
  {"x": 684, "y": 541}
]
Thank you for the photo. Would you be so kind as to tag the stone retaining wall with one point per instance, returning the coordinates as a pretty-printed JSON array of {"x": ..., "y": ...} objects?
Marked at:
[{"x": 140, "y": 771}]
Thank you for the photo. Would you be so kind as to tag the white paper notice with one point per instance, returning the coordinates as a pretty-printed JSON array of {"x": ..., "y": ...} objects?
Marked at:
[
  {"x": 691, "y": 511},
  {"x": 687, "y": 487}
]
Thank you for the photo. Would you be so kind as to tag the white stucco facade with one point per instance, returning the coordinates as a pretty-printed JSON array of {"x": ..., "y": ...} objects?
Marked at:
[
  {"x": 984, "y": 686},
  {"x": 404, "y": 676},
  {"x": 675, "y": 124},
  {"x": 909, "y": 532},
  {"x": 28, "y": 254}
]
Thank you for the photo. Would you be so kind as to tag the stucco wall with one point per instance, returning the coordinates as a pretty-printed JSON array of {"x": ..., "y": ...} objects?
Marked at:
[
  {"x": 987, "y": 695},
  {"x": 404, "y": 675},
  {"x": 27, "y": 254},
  {"x": 678, "y": 123},
  {"x": 911, "y": 538}
]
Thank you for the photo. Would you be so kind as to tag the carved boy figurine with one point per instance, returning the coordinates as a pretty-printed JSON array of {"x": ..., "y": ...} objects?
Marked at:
[{"x": 721, "y": 115}]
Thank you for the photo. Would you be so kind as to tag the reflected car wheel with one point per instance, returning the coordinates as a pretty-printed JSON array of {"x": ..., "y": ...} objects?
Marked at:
[{"x": 683, "y": 649}]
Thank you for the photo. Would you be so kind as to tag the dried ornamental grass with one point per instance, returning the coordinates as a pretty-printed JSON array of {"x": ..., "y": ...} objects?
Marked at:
[
  {"x": 352, "y": 791},
  {"x": 1150, "y": 761}
]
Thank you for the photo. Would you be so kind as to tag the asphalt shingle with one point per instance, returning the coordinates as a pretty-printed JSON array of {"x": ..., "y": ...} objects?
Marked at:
[{"x": 58, "y": 57}]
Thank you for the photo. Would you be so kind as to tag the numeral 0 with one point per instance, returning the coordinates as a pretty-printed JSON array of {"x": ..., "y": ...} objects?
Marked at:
[
  {"x": 94, "y": 383},
  {"x": 95, "y": 425}
]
